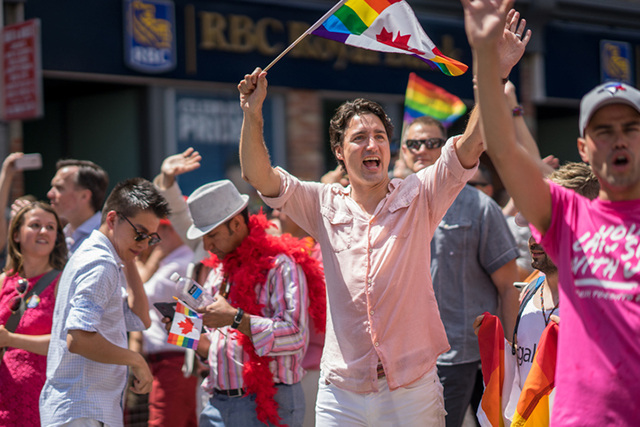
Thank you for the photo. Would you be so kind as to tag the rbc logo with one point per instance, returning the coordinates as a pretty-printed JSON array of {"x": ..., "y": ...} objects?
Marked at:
[{"x": 150, "y": 41}]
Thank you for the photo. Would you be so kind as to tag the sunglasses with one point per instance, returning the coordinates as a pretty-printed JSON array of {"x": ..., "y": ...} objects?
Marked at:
[
  {"x": 21, "y": 288},
  {"x": 414, "y": 144},
  {"x": 140, "y": 236},
  {"x": 477, "y": 183}
]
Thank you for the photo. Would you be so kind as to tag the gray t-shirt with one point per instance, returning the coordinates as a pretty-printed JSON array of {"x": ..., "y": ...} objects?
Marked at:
[{"x": 471, "y": 242}]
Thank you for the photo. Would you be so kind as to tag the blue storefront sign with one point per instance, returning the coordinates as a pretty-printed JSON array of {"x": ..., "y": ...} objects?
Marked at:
[
  {"x": 150, "y": 35},
  {"x": 211, "y": 124},
  {"x": 616, "y": 61}
]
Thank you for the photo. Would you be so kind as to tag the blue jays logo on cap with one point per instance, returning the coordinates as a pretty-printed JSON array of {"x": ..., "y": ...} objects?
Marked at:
[{"x": 612, "y": 88}]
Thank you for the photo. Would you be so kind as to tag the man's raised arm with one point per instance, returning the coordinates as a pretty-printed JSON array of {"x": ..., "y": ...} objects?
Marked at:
[
  {"x": 254, "y": 157},
  {"x": 510, "y": 48},
  {"x": 484, "y": 24}
]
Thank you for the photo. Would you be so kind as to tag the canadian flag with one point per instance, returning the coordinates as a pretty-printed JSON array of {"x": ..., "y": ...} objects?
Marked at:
[
  {"x": 385, "y": 26},
  {"x": 186, "y": 327}
]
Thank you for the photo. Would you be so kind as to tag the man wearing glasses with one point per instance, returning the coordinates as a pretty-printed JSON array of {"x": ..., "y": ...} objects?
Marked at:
[
  {"x": 100, "y": 298},
  {"x": 473, "y": 269}
]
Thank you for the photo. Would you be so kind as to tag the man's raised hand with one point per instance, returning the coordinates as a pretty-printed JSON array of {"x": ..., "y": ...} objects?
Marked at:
[
  {"x": 513, "y": 43},
  {"x": 485, "y": 21},
  {"x": 178, "y": 164},
  {"x": 253, "y": 91}
]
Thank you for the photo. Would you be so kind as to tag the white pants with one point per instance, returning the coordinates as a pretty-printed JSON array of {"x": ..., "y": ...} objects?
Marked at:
[
  {"x": 84, "y": 422},
  {"x": 419, "y": 404}
]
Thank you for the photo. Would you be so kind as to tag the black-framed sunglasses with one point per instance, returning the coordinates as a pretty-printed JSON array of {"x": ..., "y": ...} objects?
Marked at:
[
  {"x": 21, "y": 288},
  {"x": 414, "y": 144},
  {"x": 140, "y": 236}
]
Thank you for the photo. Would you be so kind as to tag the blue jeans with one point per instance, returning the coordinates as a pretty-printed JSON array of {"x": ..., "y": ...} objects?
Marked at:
[{"x": 224, "y": 411}]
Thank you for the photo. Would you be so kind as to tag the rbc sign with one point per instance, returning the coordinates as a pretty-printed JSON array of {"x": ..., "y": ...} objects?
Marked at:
[{"x": 149, "y": 35}]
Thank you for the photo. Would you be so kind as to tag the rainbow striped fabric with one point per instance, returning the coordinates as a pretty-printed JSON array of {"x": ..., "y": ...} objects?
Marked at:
[
  {"x": 497, "y": 407},
  {"x": 186, "y": 327},
  {"x": 426, "y": 99},
  {"x": 386, "y": 26},
  {"x": 491, "y": 341},
  {"x": 183, "y": 308},
  {"x": 534, "y": 405}
]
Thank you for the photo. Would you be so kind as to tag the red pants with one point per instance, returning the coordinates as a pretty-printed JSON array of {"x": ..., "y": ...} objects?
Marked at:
[{"x": 172, "y": 401}]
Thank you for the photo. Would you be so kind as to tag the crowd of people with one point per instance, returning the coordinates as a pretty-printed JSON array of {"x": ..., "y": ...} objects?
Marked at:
[{"x": 386, "y": 274}]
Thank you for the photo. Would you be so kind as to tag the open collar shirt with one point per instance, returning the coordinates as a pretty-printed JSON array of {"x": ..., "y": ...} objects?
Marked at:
[
  {"x": 381, "y": 305},
  {"x": 74, "y": 239},
  {"x": 92, "y": 297}
]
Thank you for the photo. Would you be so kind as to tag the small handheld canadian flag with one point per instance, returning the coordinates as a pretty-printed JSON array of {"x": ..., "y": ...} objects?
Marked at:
[{"x": 186, "y": 327}]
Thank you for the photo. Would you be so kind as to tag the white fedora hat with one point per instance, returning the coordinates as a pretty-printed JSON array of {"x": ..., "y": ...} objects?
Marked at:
[{"x": 212, "y": 205}]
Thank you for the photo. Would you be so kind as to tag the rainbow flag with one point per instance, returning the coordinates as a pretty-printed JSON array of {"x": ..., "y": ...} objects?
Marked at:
[
  {"x": 491, "y": 341},
  {"x": 426, "y": 99},
  {"x": 186, "y": 327},
  {"x": 385, "y": 26},
  {"x": 534, "y": 405}
]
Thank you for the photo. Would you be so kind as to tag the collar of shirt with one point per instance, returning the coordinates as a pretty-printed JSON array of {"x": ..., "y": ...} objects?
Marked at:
[
  {"x": 76, "y": 237},
  {"x": 104, "y": 239}
]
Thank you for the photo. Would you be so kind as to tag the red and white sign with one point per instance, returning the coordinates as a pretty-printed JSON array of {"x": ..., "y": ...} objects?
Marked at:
[{"x": 21, "y": 71}]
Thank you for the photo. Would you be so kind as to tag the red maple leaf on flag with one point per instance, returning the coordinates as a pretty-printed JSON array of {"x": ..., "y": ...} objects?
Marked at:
[
  {"x": 401, "y": 42},
  {"x": 186, "y": 326}
]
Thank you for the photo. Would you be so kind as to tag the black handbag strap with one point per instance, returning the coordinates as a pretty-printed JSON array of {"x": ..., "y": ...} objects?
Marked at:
[
  {"x": 41, "y": 285},
  {"x": 531, "y": 289}
]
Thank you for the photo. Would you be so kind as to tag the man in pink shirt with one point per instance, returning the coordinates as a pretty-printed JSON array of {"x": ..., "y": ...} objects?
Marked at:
[
  {"x": 595, "y": 244},
  {"x": 384, "y": 331}
]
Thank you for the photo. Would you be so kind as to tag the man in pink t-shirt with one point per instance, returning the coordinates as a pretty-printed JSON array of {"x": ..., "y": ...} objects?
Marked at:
[{"x": 595, "y": 244}]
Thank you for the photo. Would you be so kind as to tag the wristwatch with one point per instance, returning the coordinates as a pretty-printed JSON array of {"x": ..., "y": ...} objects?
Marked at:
[{"x": 237, "y": 319}]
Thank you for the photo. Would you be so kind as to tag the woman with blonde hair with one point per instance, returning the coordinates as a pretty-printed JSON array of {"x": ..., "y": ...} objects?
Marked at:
[{"x": 37, "y": 253}]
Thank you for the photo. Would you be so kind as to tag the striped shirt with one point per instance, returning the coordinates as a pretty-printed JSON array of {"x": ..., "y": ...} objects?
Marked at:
[{"x": 281, "y": 330}]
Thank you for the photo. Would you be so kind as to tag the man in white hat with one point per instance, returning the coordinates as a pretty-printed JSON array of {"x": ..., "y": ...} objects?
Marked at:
[
  {"x": 259, "y": 321},
  {"x": 595, "y": 244}
]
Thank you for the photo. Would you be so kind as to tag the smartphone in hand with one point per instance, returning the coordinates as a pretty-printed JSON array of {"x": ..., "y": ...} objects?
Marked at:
[
  {"x": 167, "y": 309},
  {"x": 27, "y": 162}
]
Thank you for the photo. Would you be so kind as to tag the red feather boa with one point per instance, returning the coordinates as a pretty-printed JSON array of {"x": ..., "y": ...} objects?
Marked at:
[{"x": 249, "y": 265}]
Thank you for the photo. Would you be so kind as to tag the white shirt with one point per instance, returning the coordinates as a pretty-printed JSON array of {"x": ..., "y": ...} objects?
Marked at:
[{"x": 529, "y": 331}]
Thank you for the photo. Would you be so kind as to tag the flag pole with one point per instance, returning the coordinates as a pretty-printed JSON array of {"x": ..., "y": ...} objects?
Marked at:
[{"x": 309, "y": 31}]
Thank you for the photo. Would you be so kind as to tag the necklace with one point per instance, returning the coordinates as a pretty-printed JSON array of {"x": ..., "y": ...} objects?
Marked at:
[{"x": 546, "y": 319}]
